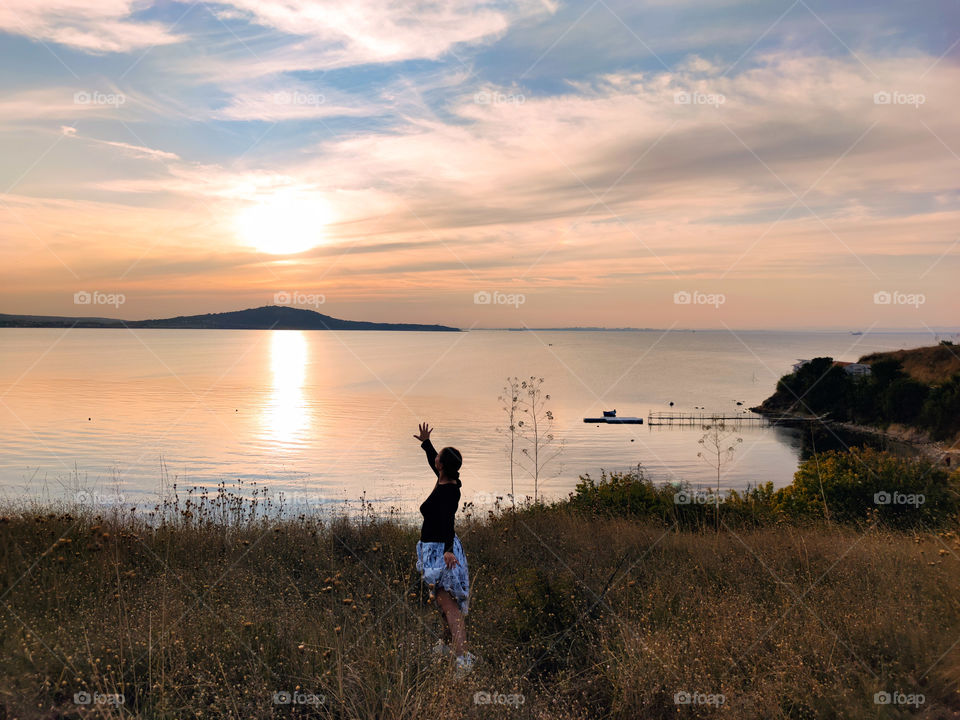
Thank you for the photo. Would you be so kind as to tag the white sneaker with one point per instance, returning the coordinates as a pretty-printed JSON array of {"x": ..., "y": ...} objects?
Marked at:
[{"x": 465, "y": 662}]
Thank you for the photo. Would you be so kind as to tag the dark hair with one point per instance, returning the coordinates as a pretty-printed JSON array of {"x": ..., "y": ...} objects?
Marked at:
[{"x": 450, "y": 461}]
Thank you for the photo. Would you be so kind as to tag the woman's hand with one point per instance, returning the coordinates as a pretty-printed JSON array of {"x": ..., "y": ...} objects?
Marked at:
[
  {"x": 424, "y": 432},
  {"x": 451, "y": 560}
]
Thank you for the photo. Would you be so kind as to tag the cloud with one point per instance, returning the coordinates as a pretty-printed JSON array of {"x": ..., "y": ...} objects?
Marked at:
[
  {"x": 338, "y": 34},
  {"x": 97, "y": 26},
  {"x": 140, "y": 151},
  {"x": 61, "y": 103},
  {"x": 325, "y": 35},
  {"x": 657, "y": 144},
  {"x": 627, "y": 152},
  {"x": 292, "y": 102},
  {"x": 660, "y": 175}
]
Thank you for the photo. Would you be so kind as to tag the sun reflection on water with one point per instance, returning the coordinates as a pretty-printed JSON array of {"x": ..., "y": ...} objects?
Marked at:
[{"x": 286, "y": 417}]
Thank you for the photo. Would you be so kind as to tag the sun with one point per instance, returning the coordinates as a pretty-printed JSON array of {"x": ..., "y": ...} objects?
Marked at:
[{"x": 285, "y": 223}]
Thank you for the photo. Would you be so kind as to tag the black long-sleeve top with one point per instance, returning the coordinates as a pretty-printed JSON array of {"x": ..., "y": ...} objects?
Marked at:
[{"x": 440, "y": 506}]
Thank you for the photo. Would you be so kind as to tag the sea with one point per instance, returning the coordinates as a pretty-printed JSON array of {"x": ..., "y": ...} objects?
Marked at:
[{"x": 322, "y": 420}]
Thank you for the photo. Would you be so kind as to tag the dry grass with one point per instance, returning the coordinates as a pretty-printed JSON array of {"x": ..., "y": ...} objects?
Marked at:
[
  {"x": 209, "y": 614},
  {"x": 931, "y": 365}
]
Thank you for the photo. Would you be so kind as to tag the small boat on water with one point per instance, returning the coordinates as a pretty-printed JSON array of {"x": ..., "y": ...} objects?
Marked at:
[{"x": 610, "y": 417}]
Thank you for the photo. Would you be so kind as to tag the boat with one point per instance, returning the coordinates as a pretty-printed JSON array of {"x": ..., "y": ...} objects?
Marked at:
[{"x": 610, "y": 418}]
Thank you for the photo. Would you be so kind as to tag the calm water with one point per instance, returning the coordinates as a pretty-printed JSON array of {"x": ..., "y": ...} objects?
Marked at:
[{"x": 328, "y": 416}]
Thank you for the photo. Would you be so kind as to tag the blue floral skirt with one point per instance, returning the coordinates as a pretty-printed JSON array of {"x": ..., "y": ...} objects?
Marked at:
[{"x": 437, "y": 575}]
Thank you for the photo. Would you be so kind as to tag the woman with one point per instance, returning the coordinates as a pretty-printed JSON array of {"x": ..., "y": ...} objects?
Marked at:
[{"x": 440, "y": 557}]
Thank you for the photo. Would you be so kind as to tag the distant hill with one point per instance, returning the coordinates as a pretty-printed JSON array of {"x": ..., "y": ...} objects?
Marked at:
[{"x": 269, "y": 317}]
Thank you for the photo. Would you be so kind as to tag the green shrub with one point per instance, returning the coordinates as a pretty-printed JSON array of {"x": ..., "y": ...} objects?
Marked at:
[
  {"x": 632, "y": 494},
  {"x": 863, "y": 484},
  {"x": 846, "y": 486},
  {"x": 623, "y": 494}
]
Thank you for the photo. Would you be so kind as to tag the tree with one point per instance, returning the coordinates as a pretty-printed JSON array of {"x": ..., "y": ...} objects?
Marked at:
[
  {"x": 941, "y": 411},
  {"x": 886, "y": 371},
  {"x": 817, "y": 387},
  {"x": 718, "y": 447},
  {"x": 903, "y": 400},
  {"x": 536, "y": 428}
]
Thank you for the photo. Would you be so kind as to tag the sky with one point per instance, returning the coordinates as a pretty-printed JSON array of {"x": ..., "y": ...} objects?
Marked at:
[{"x": 643, "y": 163}]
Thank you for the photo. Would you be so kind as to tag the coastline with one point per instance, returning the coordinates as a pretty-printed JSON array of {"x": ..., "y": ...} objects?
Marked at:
[{"x": 940, "y": 452}]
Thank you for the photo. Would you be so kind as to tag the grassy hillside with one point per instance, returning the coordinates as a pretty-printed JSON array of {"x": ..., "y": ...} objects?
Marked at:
[
  {"x": 575, "y": 614},
  {"x": 930, "y": 365}
]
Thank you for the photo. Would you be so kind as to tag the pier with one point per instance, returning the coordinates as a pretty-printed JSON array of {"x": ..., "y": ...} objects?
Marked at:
[{"x": 686, "y": 418}]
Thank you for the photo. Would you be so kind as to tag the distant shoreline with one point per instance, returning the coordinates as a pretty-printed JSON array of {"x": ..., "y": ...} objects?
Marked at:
[
  {"x": 195, "y": 322},
  {"x": 269, "y": 317}
]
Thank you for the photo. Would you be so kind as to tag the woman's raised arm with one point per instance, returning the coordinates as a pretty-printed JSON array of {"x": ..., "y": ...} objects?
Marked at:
[{"x": 424, "y": 438}]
